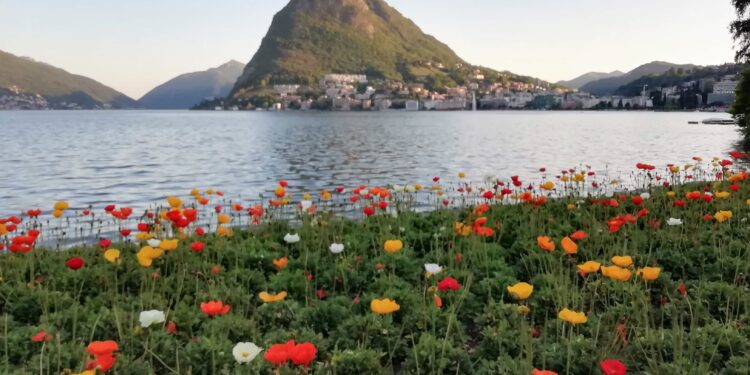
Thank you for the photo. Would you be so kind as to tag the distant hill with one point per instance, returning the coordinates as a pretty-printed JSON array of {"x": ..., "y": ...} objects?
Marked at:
[
  {"x": 608, "y": 86},
  {"x": 578, "y": 82},
  {"x": 189, "y": 89},
  {"x": 60, "y": 89},
  {"x": 676, "y": 77},
  {"x": 310, "y": 38}
]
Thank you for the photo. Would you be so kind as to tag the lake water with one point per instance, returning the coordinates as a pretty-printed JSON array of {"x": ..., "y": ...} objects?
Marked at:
[{"x": 135, "y": 158}]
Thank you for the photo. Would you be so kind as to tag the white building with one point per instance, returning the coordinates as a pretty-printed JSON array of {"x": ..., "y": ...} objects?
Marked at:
[{"x": 412, "y": 105}]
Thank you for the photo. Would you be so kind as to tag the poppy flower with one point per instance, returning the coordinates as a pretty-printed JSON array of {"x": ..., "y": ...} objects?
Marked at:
[
  {"x": 280, "y": 263},
  {"x": 102, "y": 348},
  {"x": 200, "y": 231},
  {"x": 143, "y": 227},
  {"x": 197, "y": 246},
  {"x": 543, "y": 372},
  {"x": 291, "y": 238},
  {"x": 214, "y": 308},
  {"x": 336, "y": 248},
  {"x": 616, "y": 273},
  {"x": 521, "y": 291},
  {"x": 438, "y": 301},
  {"x": 279, "y": 354},
  {"x": 303, "y": 354},
  {"x": 105, "y": 243},
  {"x": 171, "y": 327},
  {"x": 112, "y": 255},
  {"x": 74, "y": 263},
  {"x": 448, "y": 283},
  {"x": 103, "y": 363},
  {"x": 572, "y": 317},
  {"x": 723, "y": 216},
  {"x": 41, "y": 337},
  {"x": 545, "y": 243},
  {"x": 623, "y": 261},
  {"x": 578, "y": 235},
  {"x": 245, "y": 352},
  {"x": 569, "y": 247},
  {"x": 589, "y": 267},
  {"x": 271, "y": 298},
  {"x": 393, "y": 246},
  {"x": 384, "y": 306},
  {"x": 149, "y": 317},
  {"x": 613, "y": 367},
  {"x": 368, "y": 211},
  {"x": 649, "y": 273}
]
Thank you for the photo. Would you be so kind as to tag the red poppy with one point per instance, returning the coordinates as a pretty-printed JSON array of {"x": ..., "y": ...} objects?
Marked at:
[
  {"x": 578, "y": 235},
  {"x": 278, "y": 354},
  {"x": 34, "y": 233},
  {"x": 613, "y": 367},
  {"x": 320, "y": 293},
  {"x": 303, "y": 354},
  {"x": 125, "y": 232},
  {"x": 142, "y": 227},
  {"x": 368, "y": 211},
  {"x": 448, "y": 283},
  {"x": 171, "y": 327},
  {"x": 197, "y": 246},
  {"x": 101, "y": 348},
  {"x": 41, "y": 337},
  {"x": 679, "y": 203},
  {"x": 105, "y": 243},
  {"x": 488, "y": 194},
  {"x": 74, "y": 263},
  {"x": 708, "y": 218},
  {"x": 682, "y": 289},
  {"x": 637, "y": 200},
  {"x": 283, "y": 184},
  {"x": 103, "y": 363},
  {"x": 642, "y": 212},
  {"x": 438, "y": 301},
  {"x": 86, "y": 212},
  {"x": 34, "y": 213},
  {"x": 383, "y": 205},
  {"x": 213, "y": 308}
]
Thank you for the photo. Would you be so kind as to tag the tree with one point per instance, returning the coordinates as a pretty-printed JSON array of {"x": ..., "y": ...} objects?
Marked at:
[{"x": 740, "y": 29}]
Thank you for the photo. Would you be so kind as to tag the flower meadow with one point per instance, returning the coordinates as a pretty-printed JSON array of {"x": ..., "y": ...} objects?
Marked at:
[{"x": 567, "y": 274}]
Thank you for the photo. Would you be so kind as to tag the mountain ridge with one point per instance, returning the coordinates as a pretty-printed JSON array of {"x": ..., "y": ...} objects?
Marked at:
[
  {"x": 188, "y": 89},
  {"x": 585, "y": 78},
  {"x": 608, "y": 86},
  {"x": 60, "y": 88}
]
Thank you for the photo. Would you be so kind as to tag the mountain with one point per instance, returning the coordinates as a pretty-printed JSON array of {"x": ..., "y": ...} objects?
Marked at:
[
  {"x": 703, "y": 77},
  {"x": 579, "y": 81},
  {"x": 22, "y": 78},
  {"x": 608, "y": 86},
  {"x": 184, "y": 91},
  {"x": 311, "y": 38}
]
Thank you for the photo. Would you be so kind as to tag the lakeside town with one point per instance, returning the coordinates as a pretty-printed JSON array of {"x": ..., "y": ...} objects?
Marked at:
[{"x": 355, "y": 92}]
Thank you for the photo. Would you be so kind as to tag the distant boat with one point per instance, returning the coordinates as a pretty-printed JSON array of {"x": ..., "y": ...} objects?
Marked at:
[
  {"x": 693, "y": 122},
  {"x": 719, "y": 121}
]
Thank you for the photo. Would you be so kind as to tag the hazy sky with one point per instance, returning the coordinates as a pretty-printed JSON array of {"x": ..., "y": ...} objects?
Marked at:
[{"x": 134, "y": 45}]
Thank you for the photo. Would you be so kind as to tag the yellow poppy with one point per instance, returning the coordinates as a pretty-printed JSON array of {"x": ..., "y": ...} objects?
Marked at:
[
  {"x": 224, "y": 231},
  {"x": 147, "y": 254},
  {"x": 649, "y": 273},
  {"x": 569, "y": 247},
  {"x": 61, "y": 205},
  {"x": 461, "y": 229},
  {"x": 671, "y": 194},
  {"x": 174, "y": 202},
  {"x": 722, "y": 194},
  {"x": 112, "y": 255},
  {"x": 590, "y": 266},
  {"x": 572, "y": 317},
  {"x": 523, "y": 310},
  {"x": 549, "y": 185},
  {"x": 723, "y": 216},
  {"x": 169, "y": 245},
  {"x": 57, "y": 213},
  {"x": 271, "y": 298},
  {"x": 521, "y": 291},
  {"x": 143, "y": 236},
  {"x": 393, "y": 246},
  {"x": 616, "y": 273},
  {"x": 223, "y": 219},
  {"x": 384, "y": 306},
  {"x": 623, "y": 261}
]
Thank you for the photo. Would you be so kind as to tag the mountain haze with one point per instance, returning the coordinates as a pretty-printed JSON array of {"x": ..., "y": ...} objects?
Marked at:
[
  {"x": 25, "y": 76},
  {"x": 581, "y": 80},
  {"x": 608, "y": 86},
  {"x": 310, "y": 38},
  {"x": 186, "y": 90}
]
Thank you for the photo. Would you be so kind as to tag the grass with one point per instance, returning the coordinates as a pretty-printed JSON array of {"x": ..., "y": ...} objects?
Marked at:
[{"x": 692, "y": 319}]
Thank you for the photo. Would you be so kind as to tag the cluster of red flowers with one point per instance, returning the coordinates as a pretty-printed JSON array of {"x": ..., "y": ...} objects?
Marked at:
[
  {"x": 102, "y": 351},
  {"x": 299, "y": 354},
  {"x": 123, "y": 213}
]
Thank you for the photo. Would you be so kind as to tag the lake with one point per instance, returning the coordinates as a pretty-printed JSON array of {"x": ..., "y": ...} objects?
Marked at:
[{"x": 135, "y": 158}]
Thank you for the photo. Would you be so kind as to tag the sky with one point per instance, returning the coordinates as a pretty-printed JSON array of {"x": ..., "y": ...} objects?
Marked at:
[{"x": 135, "y": 45}]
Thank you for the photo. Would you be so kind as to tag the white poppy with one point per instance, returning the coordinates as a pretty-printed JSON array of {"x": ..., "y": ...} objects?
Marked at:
[
  {"x": 410, "y": 189},
  {"x": 336, "y": 248},
  {"x": 364, "y": 192},
  {"x": 645, "y": 195},
  {"x": 291, "y": 238},
  {"x": 398, "y": 188},
  {"x": 147, "y": 318},
  {"x": 154, "y": 242},
  {"x": 710, "y": 194},
  {"x": 433, "y": 268},
  {"x": 305, "y": 204},
  {"x": 673, "y": 222},
  {"x": 245, "y": 352}
]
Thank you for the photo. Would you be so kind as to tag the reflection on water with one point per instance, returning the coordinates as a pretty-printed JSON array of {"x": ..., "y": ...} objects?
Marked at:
[{"x": 138, "y": 157}]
